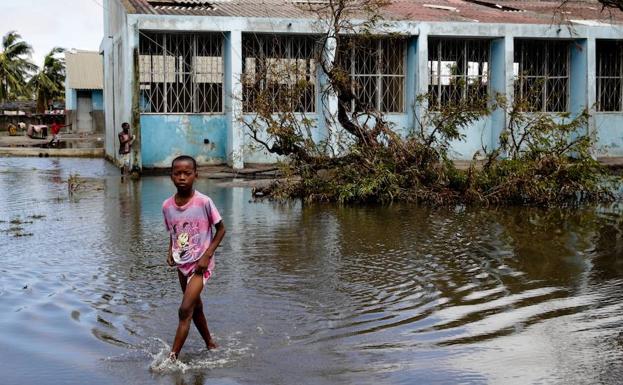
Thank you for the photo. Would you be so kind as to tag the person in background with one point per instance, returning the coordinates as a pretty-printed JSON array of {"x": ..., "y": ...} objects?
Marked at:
[
  {"x": 125, "y": 148},
  {"x": 55, "y": 128}
]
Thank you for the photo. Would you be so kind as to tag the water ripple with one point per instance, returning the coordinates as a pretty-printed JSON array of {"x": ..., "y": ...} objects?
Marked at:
[{"x": 327, "y": 294}]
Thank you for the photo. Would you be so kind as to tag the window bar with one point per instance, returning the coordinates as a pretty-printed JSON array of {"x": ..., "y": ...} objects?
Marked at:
[
  {"x": 548, "y": 48},
  {"x": 619, "y": 45},
  {"x": 193, "y": 75},
  {"x": 379, "y": 75},
  {"x": 438, "y": 74},
  {"x": 464, "y": 74},
  {"x": 291, "y": 64},
  {"x": 599, "y": 80},
  {"x": 567, "y": 77},
  {"x": 165, "y": 79},
  {"x": 261, "y": 63},
  {"x": 352, "y": 75},
  {"x": 522, "y": 64}
]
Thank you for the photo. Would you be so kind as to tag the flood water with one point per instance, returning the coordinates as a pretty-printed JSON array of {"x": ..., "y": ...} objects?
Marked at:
[{"x": 302, "y": 294}]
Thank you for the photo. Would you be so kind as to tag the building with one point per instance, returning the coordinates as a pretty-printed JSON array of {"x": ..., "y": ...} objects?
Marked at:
[
  {"x": 84, "y": 91},
  {"x": 174, "y": 68}
]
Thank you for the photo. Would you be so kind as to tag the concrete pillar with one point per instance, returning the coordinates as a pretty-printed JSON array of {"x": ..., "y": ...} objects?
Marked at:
[
  {"x": 579, "y": 89},
  {"x": 132, "y": 96},
  {"x": 326, "y": 101},
  {"x": 411, "y": 82},
  {"x": 578, "y": 76},
  {"x": 71, "y": 105},
  {"x": 509, "y": 60},
  {"x": 421, "y": 77},
  {"x": 591, "y": 87},
  {"x": 232, "y": 60},
  {"x": 498, "y": 80},
  {"x": 109, "y": 98}
]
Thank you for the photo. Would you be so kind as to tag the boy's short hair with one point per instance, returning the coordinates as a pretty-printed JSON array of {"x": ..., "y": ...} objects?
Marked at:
[
  {"x": 183, "y": 158},
  {"x": 125, "y": 124}
]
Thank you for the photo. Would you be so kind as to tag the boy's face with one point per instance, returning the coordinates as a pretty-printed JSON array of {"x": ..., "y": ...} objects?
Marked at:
[{"x": 183, "y": 175}]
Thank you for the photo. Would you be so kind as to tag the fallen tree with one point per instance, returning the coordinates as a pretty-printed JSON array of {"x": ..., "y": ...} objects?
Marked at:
[{"x": 542, "y": 159}]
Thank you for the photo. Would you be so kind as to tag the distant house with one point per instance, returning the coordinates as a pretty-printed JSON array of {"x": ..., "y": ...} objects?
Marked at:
[
  {"x": 180, "y": 63},
  {"x": 18, "y": 108},
  {"x": 84, "y": 91}
]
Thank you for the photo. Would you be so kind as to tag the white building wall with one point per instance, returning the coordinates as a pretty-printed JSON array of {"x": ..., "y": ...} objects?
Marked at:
[
  {"x": 124, "y": 36},
  {"x": 114, "y": 27}
]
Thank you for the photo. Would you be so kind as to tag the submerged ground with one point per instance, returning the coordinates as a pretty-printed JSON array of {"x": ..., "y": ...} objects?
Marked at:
[{"x": 303, "y": 294}]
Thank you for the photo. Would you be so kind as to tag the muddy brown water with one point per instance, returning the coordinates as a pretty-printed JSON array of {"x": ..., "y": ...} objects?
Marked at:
[{"x": 303, "y": 294}]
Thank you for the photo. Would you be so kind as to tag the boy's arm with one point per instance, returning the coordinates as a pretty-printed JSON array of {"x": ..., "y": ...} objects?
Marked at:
[
  {"x": 216, "y": 241},
  {"x": 170, "y": 260}
]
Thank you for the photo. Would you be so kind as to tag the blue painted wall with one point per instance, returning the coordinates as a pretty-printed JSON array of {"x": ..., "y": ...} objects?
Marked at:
[
  {"x": 410, "y": 83},
  {"x": 477, "y": 135},
  {"x": 578, "y": 82},
  {"x": 97, "y": 97},
  {"x": 400, "y": 123},
  {"x": 254, "y": 152},
  {"x": 609, "y": 128},
  {"x": 71, "y": 99},
  {"x": 497, "y": 83},
  {"x": 163, "y": 137}
]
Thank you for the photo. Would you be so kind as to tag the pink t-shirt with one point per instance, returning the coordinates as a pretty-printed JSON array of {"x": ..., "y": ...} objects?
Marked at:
[{"x": 190, "y": 228}]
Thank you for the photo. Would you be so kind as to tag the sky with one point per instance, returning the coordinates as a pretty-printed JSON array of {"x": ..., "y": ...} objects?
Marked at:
[{"x": 45, "y": 24}]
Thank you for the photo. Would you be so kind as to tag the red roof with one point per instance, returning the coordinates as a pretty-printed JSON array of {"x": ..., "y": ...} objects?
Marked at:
[{"x": 484, "y": 11}]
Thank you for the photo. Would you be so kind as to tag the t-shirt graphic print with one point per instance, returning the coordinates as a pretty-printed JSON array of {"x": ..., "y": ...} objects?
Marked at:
[{"x": 190, "y": 227}]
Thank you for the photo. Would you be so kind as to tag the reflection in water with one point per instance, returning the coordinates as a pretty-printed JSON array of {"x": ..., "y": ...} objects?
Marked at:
[{"x": 320, "y": 294}]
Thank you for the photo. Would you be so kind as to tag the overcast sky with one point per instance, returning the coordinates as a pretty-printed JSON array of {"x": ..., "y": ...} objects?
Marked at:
[{"x": 45, "y": 24}]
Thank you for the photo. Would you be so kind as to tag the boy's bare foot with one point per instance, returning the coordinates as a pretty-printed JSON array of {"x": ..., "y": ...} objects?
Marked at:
[
  {"x": 211, "y": 345},
  {"x": 172, "y": 356}
]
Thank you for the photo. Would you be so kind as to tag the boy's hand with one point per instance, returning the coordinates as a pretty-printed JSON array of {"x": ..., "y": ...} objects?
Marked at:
[
  {"x": 170, "y": 260},
  {"x": 203, "y": 264}
]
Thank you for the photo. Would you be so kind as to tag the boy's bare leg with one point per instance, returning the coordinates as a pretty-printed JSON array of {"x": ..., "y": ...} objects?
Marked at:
[
  {"x": 199, "y": 318},
  {"x": 202, "y": 325},
  {"x": 185, "y": 312}
]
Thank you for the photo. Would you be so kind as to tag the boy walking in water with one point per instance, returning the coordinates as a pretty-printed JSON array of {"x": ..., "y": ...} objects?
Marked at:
[{"x": 189, "y": 217}]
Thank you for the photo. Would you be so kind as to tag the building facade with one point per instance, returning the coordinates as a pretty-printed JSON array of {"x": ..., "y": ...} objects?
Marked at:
[
  {"x": 84, "y": 92},
  {"x": 176, "y": 69}
]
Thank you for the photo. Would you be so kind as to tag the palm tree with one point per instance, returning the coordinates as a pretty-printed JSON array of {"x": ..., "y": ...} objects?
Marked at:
[
  {"x": 48, "y": 83},
  {"x": 15, "y": 67}
]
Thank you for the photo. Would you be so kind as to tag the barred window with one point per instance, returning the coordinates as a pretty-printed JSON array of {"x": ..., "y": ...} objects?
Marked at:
[
  {"x": 181, "y": 72},
  {"x": 541, "y": 70},
  {"x": 458, "y": 71},
  {"x": 377, "y": 72},
  {"x": 279, "y": 70},
  {"x": 609, "y": 75}
]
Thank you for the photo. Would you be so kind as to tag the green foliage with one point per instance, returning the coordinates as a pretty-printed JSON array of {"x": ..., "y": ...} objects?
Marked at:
[
  {"x": 48, "y": 82},
  {"x": 542, "y": 159},
  {"x": 15, "y": 67},
  {"x": 74, "y": 183},
  {"x": 547, "y": 163}
]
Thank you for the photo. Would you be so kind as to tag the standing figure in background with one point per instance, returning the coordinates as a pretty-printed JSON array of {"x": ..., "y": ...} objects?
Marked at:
[
  {"x": 55, "y": 128},
  {"x": 125, "y": 148}
]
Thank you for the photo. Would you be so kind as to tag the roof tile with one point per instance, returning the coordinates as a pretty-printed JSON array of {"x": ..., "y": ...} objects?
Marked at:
[{"x": 528, "y": 12}]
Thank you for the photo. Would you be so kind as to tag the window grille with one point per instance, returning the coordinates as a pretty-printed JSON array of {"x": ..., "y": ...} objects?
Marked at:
[
  {"x": 458, "y": 72},
  {"x": 541, "y": 70},
  {"x": 280, "y": 68},
  {"x": 181, "y": 72},
  {"x": 609, "y": 75},
  {"x": 376, "y": 67}
]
